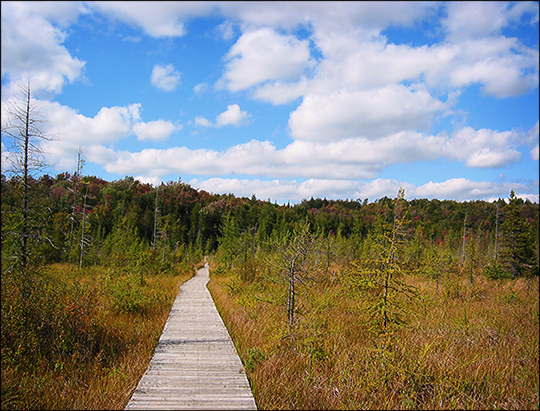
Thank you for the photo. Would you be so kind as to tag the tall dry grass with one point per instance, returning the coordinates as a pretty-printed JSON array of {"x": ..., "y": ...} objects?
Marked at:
[
  {"x": 467, "y": 346},
  {"x": 81, "y": 339}
]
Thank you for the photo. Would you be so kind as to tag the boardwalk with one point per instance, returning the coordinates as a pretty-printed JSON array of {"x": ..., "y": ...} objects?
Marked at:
[{"x": 195, "y": 365}]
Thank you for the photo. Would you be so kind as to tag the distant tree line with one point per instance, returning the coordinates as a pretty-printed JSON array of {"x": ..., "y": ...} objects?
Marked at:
[{"x": 87, "y": 220}]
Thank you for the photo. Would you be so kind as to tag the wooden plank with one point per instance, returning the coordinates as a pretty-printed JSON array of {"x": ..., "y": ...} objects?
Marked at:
[{"x": 195, "y": 364}]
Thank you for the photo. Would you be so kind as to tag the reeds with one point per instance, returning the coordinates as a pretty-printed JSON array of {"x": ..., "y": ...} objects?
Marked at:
[
  {"x": 82, "y": 339},
  {"x": 467, "y": 346}
]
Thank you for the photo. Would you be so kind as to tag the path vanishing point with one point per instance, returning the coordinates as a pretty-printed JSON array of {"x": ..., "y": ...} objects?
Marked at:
[{"x": 195, "y": 364}]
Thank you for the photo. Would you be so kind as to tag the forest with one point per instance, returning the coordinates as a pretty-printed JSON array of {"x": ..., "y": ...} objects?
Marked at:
[
  {"x": 369, "y": 304},
  {"x": 86, "y": 221}
]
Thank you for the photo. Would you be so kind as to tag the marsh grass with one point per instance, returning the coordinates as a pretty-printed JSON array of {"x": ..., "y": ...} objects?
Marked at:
[
  {"x": 467, "y": 346},
  {"x": 82, "y": 339}
]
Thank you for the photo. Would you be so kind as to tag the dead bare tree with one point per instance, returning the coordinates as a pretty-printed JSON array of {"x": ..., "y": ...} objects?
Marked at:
[
  {"x": 296, "y": 260},
  {"x": 22, "y": 123}
]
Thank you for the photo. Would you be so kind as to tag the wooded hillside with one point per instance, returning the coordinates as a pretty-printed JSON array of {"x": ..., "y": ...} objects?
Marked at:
[{"x": 89, "y": 221}]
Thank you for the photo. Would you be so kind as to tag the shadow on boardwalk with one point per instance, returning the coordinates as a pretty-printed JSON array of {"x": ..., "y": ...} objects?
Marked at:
[{"x": 195, "y": 364}]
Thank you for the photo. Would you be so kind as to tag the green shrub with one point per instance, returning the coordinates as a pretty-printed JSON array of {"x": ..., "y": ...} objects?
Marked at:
[{"x": 495, "y": 271}]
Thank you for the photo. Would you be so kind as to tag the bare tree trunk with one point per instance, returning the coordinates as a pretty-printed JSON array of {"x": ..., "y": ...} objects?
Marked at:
[
  {"x": 83, "y": 240},
  {"x": 21, "y": 123},
  {"x": 464, "y": 238},
  {"x": 155, "y": 219},
  {"x": 24, "y": 249},
  {"x": 497, "y": 232}
]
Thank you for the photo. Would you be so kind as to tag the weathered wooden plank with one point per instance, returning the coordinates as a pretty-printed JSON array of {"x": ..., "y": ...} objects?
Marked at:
[{"x": 195, "y": 364}]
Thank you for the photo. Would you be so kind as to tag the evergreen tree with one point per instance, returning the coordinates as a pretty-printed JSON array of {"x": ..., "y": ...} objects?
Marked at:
[
  {"x": 379, "y": 274},
  {"x": 518, "y": 254}
]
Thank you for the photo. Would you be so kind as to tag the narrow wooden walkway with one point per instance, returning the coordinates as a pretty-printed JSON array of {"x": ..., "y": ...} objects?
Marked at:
[{"x": 195, "y": 364}]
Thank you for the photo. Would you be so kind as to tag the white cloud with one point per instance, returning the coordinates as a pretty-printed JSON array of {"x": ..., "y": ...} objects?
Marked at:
[
  {"x": 155, "y": 181},
  {"x": 108, "y": 125},
  {"x": 201, "y": 121},
  {"x": 484, "y": 148},
  {"x": 476, "y": 19},
  {"x": 158, "y": 18},
  {"x": 200, "y": 88},
  {"x": 6, "y": 157},
  {"x": 535, "y": 152},
  {"x": 165, "y": 77},
  {"x": 340, "y": 17},
  {"x": 532, "y": 137},
  {"x": 284, "y": 191},
  {"x": 275, "y": 189},
  {"x": 226, "y": 30},
  {"x": 154, "y": 130},
  {"x": 263, "y": 55},
  {"x": 356, "y": 116},
  {"x": 72, "y": 130},
  {"x": 347, "y": 159},
  {"x": 501, "y": 65},
  {"x": 371, "y": 114},
  {"x": 462, "y": 189},
  {"x": 466, "y": 20},
  {"x": 233, "y": 116},
  {"x": 99, "y": 154},
  {"x": 32, "y": 47},
  {"x": 487, "y": 158}
]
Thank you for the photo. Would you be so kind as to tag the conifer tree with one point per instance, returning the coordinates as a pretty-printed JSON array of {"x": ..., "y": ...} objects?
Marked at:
[
  {"x": 518, "y": 254},
  {"x": 379, "y": 274}
]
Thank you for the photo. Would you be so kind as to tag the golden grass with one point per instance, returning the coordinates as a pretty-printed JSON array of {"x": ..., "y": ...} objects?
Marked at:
[
  {"x": 93, "y": 355},
  {"x": 467, "y": 346}
]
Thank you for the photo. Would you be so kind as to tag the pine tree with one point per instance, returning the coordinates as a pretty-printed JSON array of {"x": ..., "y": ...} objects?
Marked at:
[{"x": 518, "y": 254}]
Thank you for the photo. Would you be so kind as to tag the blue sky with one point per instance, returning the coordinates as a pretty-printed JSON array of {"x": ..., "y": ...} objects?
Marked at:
[{"x": 286, "y": 100}]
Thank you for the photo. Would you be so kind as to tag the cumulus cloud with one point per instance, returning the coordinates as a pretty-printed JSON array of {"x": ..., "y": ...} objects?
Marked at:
[
  {"x": 155, "y": 181},
  {"x": 226, "y": 30},
  {"x": 284, "y": 191},
  {"x": 364, "y": 103},
  {"x": 353, "y": 158},
  {"x": 200, "y": 88},
  {"x": 463, "y": 189},
  {"x": 500, "y": 65},
  {"x": 372, "y": 114},
  {"x": 32, "y": 46},
  {"x": 262, "y": 55},
  {"x": 165, "y": 78},
  {"x": 470, "y": 20},
  {"x": 159, "y": 18},
  {"x": 73, "y": 130},
  {"x": 531, "y": 138},
  {"x": 108, "y": 125},
  {"x": 154, "y": 130},
  {"x": 535, "y": 152},
  {"x": 348, "y": 159},
  {"x": 484, "y": 148},
  {"x": 201, "y": 121},
  {"x": 232, "y": 116}
]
